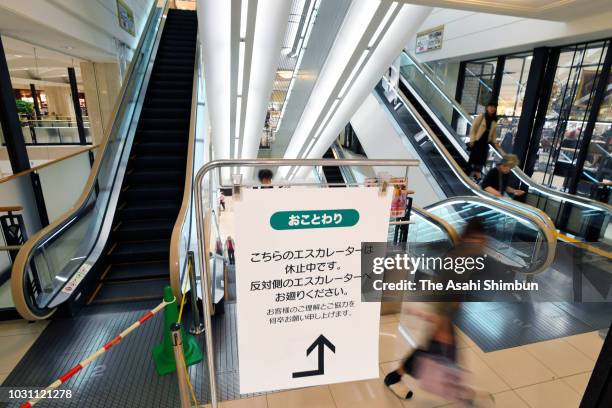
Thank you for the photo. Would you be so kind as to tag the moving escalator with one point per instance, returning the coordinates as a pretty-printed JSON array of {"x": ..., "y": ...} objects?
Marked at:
[
  {"x": 580, "y": 217},
  {"x": 521, "y": 237},
  {"x": 114, "y": 246}
]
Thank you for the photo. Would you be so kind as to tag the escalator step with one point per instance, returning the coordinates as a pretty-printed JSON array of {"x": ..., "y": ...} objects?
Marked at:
[
  {"x": 143, "y": 177},
  {"x": 159, "y": 162},
  {"x": 153, "y": 192},
  {"x": 131, "y": 291},
  {"x": 162, "y": 148},
  {"x": 133, "y": 230},
  {"x": 158, "y": 209},
  {"x": 140, "y": 251},
  {"x": 133, "y": 271}
]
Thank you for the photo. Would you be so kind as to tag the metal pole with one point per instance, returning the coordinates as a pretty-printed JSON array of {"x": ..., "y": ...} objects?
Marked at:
[
  {"x": 177, "y": 345},
  {"x": 197, "y": 327},
  {"x": 9, "y": 119},
  {"x": 35, "y": 99},
  {"x": 205, "y": 289},
  {"x": 77, "y": 106}
]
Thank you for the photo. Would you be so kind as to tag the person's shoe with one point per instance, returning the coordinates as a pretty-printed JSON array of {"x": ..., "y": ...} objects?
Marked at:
[{"x": 393, "y": 381}]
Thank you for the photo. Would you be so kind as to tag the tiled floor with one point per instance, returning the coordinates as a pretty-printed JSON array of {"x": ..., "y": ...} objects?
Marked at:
[
  {"x": 548, "y": 374},
  {"x": 16, "y": 337}
]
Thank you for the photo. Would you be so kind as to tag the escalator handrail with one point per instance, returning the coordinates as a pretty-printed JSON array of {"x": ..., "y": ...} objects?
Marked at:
[
  {"x": 187, "y": 207},
  {"x": 22, "y": 261},
  {"x": 439, "y": 222},
  {"x": 522, "y": 176},
  {"x": 520, "y": 210}
]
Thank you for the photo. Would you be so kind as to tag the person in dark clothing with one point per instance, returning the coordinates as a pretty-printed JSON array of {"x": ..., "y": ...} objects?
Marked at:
[
  {"x": 483, "y": 132},
  {"x": 265, "y": 177},
  {"x": 496, "y": 180}
]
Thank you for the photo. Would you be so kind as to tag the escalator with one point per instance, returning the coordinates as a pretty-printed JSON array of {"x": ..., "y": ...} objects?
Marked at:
[
  {"x": 115, "y": 245},
  {"x": 332, "y": 173},
  {"x": 580, "y": 217},
  {"x": 521, "y": 237},
  {"x": 136, "y": 263}
]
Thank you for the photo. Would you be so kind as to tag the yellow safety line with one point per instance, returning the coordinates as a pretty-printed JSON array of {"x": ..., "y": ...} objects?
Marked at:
[{"x": 584, "y": 245}]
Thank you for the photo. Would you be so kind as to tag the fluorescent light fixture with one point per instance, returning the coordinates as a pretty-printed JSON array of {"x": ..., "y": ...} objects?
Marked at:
[
  {"x": 241, "y": 48},
  {"x": 310, "y": 146},
  {"x": 313, "y": 11},
  {"x": 330, "y": 112},
  {"x": 382, "y": 24},
  {"x": 351, "y": 76},
  {"x": 244, "y": 13},
  {"x": 285, "y": 74},
  {"x": 236, "y": 146},
  {"x": 238, "y": 116}
]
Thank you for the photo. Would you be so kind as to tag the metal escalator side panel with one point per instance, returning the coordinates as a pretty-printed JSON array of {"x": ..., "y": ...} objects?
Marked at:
[
  {"x": 519, "y": 210},
  {"x": 114, "y": 149}
]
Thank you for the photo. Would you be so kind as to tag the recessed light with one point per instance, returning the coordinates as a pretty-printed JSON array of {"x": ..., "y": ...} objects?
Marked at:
[{"x": 68, "y": 47}]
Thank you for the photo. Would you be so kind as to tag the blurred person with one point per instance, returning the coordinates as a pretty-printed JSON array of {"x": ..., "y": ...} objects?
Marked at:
[
  {"x": 496, "y": 180},
  {"x": 222, "y": 200},
  {"x": 230, "y": 250},
  {"x": 435, "y": 365},
  {"x": 483, "y": 132}
]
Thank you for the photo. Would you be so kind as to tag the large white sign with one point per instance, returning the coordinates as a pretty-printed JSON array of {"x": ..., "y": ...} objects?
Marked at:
[{"x": 300, "y": 318}]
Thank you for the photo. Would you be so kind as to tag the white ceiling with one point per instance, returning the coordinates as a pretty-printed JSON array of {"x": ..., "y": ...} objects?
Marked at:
[
  {"x": 17, "y": 26},
  {"x": 560, "y": 10},
  {"x": 27, "y": 62}
]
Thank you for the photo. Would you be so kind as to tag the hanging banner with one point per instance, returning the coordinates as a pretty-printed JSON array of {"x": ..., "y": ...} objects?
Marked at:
[{"x": 301, "y": 321}]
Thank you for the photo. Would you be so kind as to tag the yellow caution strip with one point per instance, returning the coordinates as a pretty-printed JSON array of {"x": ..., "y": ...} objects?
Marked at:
[{"x": 584, "y": 245}]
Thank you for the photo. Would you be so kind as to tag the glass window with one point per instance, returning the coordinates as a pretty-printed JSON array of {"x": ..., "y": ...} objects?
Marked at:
[
  {"x": 598, "y": 165},
  {"x": 570, "y": 104},
  {"x": 478, "y": 85}
]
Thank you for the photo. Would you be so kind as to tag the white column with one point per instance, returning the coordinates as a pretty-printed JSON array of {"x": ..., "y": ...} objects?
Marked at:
[
  {"x": 59, "y": 101},
  {"x": 401, "y": 28},
  {"x": 270, "y": 26}
]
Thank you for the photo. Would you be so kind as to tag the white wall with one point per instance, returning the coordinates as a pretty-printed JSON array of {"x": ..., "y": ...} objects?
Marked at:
[
  {"x": 470, "y": 35},
  {"x": 382, "y": 139}
]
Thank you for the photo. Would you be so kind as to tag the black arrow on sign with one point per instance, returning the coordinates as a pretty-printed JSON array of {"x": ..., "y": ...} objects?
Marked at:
[{"x": 320, "y": 343}]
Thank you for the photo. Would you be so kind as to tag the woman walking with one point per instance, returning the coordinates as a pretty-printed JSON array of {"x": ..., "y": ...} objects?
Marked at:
[{"x": 484, "y": 131}]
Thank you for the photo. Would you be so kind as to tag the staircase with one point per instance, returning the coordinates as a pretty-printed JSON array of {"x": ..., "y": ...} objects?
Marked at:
[{"x": 136, "y": 264}]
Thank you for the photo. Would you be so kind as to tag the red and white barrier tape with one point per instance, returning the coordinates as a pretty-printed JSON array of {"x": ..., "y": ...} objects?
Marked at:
[{"x": 98, "y": 352}]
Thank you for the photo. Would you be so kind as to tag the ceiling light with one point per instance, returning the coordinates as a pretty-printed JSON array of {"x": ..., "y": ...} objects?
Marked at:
[
  {"x": 68, "y": 47},
  {"x": 244, "y": 12},
  {"x": 285, "y": 74},
  {"x": 382, "y": 24}
]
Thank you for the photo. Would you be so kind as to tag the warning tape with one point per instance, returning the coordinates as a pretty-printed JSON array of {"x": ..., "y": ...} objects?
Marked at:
[{"x": 98, "y": 352}]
